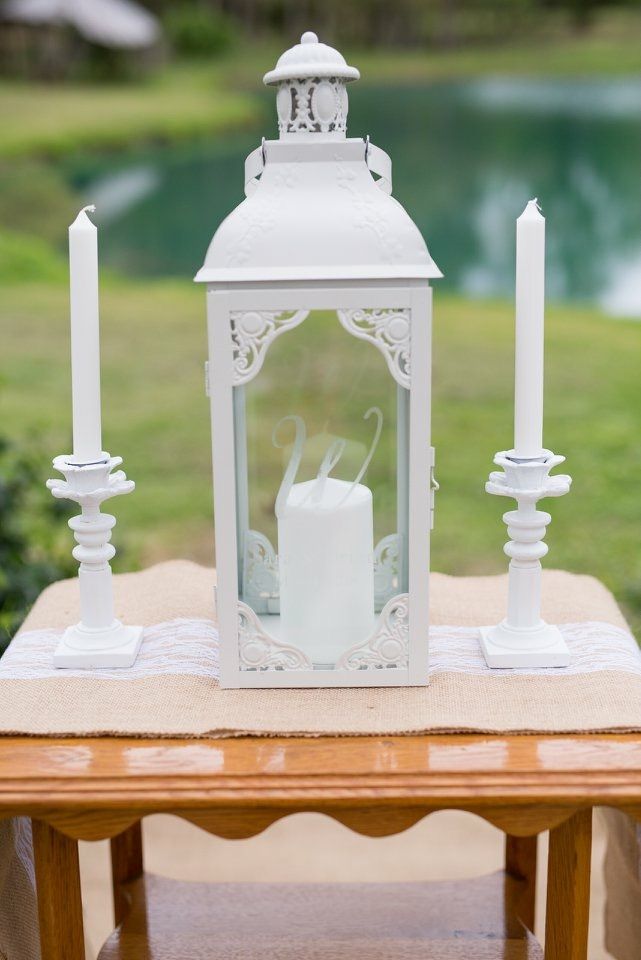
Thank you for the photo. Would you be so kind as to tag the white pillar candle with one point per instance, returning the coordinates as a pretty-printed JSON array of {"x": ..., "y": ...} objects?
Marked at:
[
  {"x": 326, "y": 556},
  {"x": 530, "y": 301},
  {"x": 85, "y": 339}
]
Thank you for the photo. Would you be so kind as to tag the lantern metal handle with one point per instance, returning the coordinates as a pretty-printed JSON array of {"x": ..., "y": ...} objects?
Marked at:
[
  {"x": 434, "y": 486},
  {"x": 378, "y": 163},
  {"x": 254, "y": 166}
]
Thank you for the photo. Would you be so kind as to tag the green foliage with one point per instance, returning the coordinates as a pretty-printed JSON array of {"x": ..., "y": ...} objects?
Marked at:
[
  {"x": 24, "y": 258},
  {"x": 195, "y": 31},
  {"x": 35, "y": 205},
  {"x": 29, "y": 520},
  {"x": 35, "y": 199}
]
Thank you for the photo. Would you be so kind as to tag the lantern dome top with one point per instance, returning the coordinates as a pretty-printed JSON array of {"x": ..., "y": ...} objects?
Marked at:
[
  {"x": 314, "y": 209},
  {"x": 311, "y": 59},
  {"x": 317, "y": 214}
]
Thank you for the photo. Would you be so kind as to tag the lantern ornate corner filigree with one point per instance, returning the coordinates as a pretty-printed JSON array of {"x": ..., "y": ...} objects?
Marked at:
[
  {"x": 390, "y": 331},
  {"x": 388, "y": 647},
  {"x": 257, "y": 650},
  {"x": 252, "y": 333}
]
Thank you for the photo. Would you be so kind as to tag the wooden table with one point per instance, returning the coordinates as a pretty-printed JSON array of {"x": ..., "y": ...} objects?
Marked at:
[{"x": 91, "y": 789}]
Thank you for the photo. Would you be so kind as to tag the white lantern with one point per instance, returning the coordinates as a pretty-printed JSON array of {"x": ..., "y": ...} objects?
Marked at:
[{"x": 319, "y": 317}]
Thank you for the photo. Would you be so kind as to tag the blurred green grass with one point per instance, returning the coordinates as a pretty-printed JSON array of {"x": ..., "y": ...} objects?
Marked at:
[
  {"x": 179, "y": 102},
  {"x": 156, "y": 416}
]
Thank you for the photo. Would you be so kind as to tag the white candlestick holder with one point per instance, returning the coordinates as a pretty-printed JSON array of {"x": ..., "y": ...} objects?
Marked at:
[
  {"x": 523, "y": 639},
  {"x": 99, "y": 639}
]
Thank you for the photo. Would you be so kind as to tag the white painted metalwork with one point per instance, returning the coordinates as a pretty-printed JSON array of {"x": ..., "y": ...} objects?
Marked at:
[
  {"x": 388, "y": 646},
  {"x": 309, "y": 58},
  {"x": 261, "y": 587},
  {"x": 252, "y": 333},
  {"x": 257, "y": 650},
  {"x": 99, "y": 639},
  {"x": 523, "y": 639},
  {"x": 389, "y": 330},
  {"x": 318, "y": 231},
  {"x": 312, "y": 106},
  {"x": 311, "y": 96},
  {"x": 414, "y": 298}
]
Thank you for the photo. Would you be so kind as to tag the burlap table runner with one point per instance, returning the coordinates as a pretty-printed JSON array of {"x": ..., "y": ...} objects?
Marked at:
[{"x": 172, "y": 691}]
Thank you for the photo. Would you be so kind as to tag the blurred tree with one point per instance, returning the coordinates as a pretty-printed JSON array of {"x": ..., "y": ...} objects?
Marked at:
[
  {"x": 30, "y": 558},
  {"x": 436, "y": 23},
  {"x": 582, "y": 12},
  {"x": 199, "y": 30}
]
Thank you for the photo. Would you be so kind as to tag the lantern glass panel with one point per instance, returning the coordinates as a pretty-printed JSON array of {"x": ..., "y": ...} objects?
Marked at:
[{"x": 321, "y": 440}]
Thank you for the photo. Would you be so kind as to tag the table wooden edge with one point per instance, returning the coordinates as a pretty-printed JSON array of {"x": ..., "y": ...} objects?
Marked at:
[{"x": 93, "y": 788}]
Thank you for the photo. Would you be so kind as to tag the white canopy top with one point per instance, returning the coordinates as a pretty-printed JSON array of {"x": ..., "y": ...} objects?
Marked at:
[{"x": 310, "y": 58}]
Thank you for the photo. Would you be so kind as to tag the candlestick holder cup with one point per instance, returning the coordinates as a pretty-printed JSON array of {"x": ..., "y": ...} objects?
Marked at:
[
  {"x": 99, "y": 639},
  {"x": 523, "y": 639}
]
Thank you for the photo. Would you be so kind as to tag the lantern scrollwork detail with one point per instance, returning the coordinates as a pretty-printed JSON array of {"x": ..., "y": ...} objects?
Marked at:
[
  {"x": 389, "y": 644},
  {"x": 252, "y": 332},
  {"x": 260, "y": 573},
  {"x": 390, "y": 331},
  {"x": 260, "y": 651},
  {"x": 386, "y": 569},
  {"x": 312, "y": 105}
]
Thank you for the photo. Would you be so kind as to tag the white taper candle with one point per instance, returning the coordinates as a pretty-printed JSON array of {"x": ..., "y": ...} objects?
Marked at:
[
  {"x": 85, "y": 339},
  {"x": 530, "y": 304}
]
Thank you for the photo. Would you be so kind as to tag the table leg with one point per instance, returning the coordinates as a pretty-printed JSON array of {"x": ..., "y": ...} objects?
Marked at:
[
  {"x": 520, "y": 863},
  {"x": 58, "y": 888},
  {"x": 126, "y": 865},
  {"x": 568, "y": 895}
]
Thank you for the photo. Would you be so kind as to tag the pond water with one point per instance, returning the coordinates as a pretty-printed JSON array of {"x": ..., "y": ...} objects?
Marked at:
[{"x": 467, "y": 156}]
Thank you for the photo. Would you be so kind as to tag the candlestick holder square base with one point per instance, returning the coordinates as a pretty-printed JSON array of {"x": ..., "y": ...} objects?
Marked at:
[
  {"x": 115, "y": 647},
  {"x": 543, "y": 646}
]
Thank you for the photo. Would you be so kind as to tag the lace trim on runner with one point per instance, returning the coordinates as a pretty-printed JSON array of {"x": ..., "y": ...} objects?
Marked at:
[{"x": 190, "y": 647}]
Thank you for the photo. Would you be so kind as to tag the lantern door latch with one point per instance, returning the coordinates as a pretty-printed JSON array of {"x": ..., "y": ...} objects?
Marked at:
[{"x": 434, "y": 486}]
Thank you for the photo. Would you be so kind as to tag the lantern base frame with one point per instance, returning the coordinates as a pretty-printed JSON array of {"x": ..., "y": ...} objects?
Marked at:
[
  {"x": 82, "y": 648},
  {"x": 540, "y": 647}
]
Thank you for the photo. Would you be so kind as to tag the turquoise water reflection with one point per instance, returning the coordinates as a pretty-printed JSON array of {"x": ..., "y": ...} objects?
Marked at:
[{"x": 467, "y": 157}]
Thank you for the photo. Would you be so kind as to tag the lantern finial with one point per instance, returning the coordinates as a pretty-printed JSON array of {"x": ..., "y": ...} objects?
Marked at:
[{"x": 311, "y": 98}]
